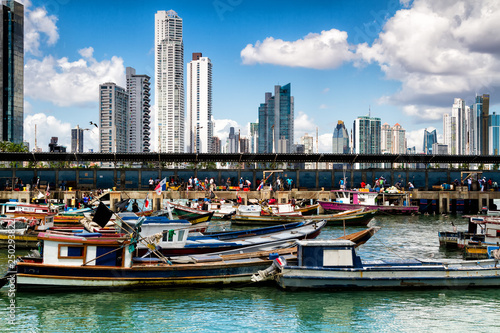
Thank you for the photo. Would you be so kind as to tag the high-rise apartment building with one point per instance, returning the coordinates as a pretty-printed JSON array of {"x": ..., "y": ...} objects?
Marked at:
[
  {"x": 77, "y": 139},
  {"x": 340, "y": 141},
  {"x": 233, "y": 141},
  {"x": 398, "y": 139},
  {"x": 253, "y": 132},
  {"x": 308, "y": 142},
  {"x": 367, "y": 135},
  {"x": 139, "y": 112},
  {"x": 483, "y": 116},
  {"x": 494, "y": 134},
  {"x": 430, "y": 138},
  {"x": 199, "y": 104},
  {"x": 386, "y": 139},
  {"x": 12, "y": 71},
  {"x": 169, "y": 81},
  {"x": 113, "y": 111},
  {"x": 276, "y": 121}
]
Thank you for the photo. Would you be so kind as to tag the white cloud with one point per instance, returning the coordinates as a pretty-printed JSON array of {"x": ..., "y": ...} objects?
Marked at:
[
  {"x": 329, "y": 49},
  {"x": 66, "y": 83},
  {"x": 48, "y": 127},
  {"x": 325, "y": 143},
  {"x": 425, "y": 113},
  {"x": 438, "y": 50},
  {"x": 303, "y": 124},
  {"x": 38, "y": 27}
]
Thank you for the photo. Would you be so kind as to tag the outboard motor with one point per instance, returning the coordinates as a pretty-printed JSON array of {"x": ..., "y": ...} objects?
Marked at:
[{"x": 271, "y": 271}]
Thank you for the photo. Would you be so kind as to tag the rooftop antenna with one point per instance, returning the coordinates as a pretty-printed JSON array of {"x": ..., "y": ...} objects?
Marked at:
[{"x": 369, "y": 111}]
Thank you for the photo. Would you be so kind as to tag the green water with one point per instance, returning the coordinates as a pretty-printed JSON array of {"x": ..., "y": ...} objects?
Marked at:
[{"x": 268, "y": 309}]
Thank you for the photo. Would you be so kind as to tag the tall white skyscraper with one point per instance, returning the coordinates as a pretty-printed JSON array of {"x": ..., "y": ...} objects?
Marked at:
[
  {"x": 459, "y": 129},
  {"x": 386, "y": 141},
  {"x": 113, "y": 110},
  {"x": 139, "y": 118},
  {"x": 199, "y": 104},
  {"x": 169, "y": 81},
  {"x": 398, "y": 139}
]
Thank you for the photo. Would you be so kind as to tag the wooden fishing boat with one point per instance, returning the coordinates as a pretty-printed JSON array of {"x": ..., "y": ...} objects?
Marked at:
[
  {"x": 23, "y": 230},
  {"x": 186, "y": 212},
  {"x": 390, "y": 203},
  {"x": 334, "y": 265},
  {"x": 353, "y": 218},
  {"x": 170, "y": 240},
  {"x": 88, "y": 262}
]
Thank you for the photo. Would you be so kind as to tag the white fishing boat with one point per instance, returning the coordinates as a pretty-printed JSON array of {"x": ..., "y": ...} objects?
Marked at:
[{"x": 334, "y": 265}]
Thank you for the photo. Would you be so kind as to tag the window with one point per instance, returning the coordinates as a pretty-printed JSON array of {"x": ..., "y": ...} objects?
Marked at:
[{"x": 71, "y": 251}]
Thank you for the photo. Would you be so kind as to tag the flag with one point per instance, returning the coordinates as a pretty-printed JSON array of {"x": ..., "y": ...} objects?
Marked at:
[
  {"x": 122, "y": 205},
  {"x": 102, "y": 215},
  {"x": 48, "y": 190},
  {"x": 162, "y": 186},
  {"x": 146, "y": 202}
]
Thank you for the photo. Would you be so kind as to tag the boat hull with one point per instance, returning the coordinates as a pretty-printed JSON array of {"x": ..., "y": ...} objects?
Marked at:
[
  {"x": 389, "y": 278},
  {"x": 331, "y": 219},
  {"x": 339, "y": 206}
]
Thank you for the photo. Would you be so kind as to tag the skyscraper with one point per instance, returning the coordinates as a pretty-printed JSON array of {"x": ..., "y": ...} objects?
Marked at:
[
  {"x": 367, "y": 135},
  {"x": 77, "y": 139},
  {"x": 340, "y": 140},
  {"x": 169, "y": 81},
  {"x": 398, "y": 139},
  {"x": 276, "y": 121},
  {"x": 199, "y": 104},
  {"x": 253, "y": 132},
  {"x": 485, "y": 112},
  {"x": 308, "y": 142},
  {"x": 12, "y": 67},
  {"x": 138, "y": 115},
  {"x": 386, "y": 139},
  {"x": 233, "y": 141},
  {"x": 113, "y": 110},
  {"x": 430, "y": 138},
  {"x": 494, "y": 134}
]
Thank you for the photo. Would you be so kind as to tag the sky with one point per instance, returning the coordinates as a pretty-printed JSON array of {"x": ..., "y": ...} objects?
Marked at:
[{"x": 403, "y": 61}]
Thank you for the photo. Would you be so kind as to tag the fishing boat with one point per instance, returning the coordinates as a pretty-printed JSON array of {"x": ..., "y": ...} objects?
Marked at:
[
  {"x": 23, "y": 230},
  {"x": 334, "y": 265},
  {"x": 21, "y": 209},
  {"x": 389, "y": 203},
  {"x": 358, "y": 217},
  {"x": 173, "y": 240},
  {"x": 87, "y": 261},
  {"x": 186, "y": 212}
]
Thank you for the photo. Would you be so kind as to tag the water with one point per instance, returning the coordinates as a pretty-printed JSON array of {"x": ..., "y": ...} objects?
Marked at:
[{"x": 268, "y": 309}]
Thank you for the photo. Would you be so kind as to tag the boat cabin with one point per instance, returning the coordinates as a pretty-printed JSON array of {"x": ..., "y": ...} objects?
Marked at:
[
  {"x": 366, "y": 198},
  {"x": 327, "y": 253},
  {"x": 10, "y": 208},
  {"x": 84, "y": 249}
]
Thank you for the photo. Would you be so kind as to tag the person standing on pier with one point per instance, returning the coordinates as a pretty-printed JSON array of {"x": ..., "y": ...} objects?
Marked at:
[{"x": 151, "y": 184}]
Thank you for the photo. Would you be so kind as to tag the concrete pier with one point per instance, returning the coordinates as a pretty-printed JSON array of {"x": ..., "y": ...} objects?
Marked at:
[{"x": 444, "y": 200}]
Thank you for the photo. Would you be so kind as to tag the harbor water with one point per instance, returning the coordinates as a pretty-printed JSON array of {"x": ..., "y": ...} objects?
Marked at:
[{"x": 253, "y": 308}]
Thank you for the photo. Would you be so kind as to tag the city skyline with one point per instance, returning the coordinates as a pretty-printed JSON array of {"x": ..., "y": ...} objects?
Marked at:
[{"x": 354, "y": 68}]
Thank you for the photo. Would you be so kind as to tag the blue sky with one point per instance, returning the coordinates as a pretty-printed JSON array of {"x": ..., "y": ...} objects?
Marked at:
[{"x": 404, "y": 60}]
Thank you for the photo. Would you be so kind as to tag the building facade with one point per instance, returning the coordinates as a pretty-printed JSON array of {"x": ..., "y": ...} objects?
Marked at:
[
  {"x": 169, "y": 82},
  {"x": 494, "y": 134},
  {"x": 430, "y": 138},
  {"x": 367, "y": 135},
  {"x": 276, "y": 121},
  {"x": 233, "y": 141},
  {"x": 139, "y": 112},
  {"x": 113, "y": 111},
  {"x": 340, "y": 141},
  {"x": 12, "y": 67},
  {"x": 77, "y": 139},
  {"x": 199, "y": 104}
]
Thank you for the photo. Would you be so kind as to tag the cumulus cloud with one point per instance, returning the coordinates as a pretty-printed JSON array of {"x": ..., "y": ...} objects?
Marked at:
[
  {"x": 39, "y": 27},
  {"x": 303, "y": 124},
  {"x": 438, "y": 50},
  {"x": 425, "y": 113},
  {"x": 66, "y": 83},
  {"x": 329, "y": 49},
  {"x": 48, "y": 127}
]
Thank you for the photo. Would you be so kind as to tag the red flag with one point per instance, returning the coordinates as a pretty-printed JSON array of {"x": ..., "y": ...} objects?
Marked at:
[{"x": 146, "y": 203}]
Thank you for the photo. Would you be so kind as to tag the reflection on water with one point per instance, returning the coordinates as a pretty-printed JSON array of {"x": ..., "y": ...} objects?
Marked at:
[{"x": 268, "y": 309}]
